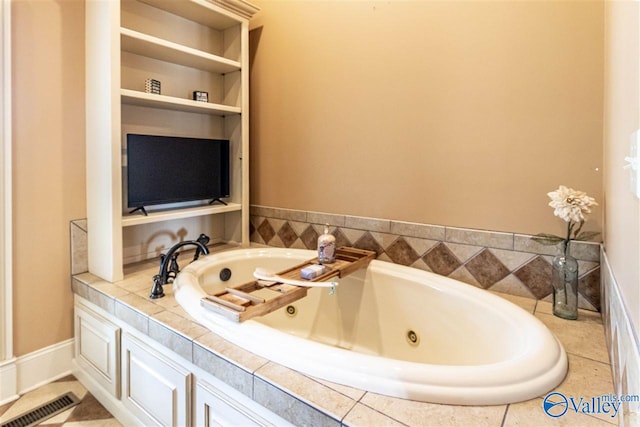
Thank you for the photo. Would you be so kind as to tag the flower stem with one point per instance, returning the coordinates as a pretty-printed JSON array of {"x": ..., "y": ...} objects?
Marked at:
[{"x": 565, "y": 251}]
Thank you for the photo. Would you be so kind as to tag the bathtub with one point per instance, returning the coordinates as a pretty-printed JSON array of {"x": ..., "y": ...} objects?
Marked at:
[{"x": 389, "y": 329}]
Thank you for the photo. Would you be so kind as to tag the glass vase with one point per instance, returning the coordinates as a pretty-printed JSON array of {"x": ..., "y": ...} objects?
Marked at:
[{"x": 564, "y": 278}]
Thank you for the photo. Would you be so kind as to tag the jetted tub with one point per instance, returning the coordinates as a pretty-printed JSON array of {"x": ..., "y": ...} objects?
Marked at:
[{"x": 389, "y": 329}]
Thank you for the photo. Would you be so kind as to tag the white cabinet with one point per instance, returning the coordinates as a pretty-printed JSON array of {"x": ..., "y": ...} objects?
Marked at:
[
  {"x": 143, "y": 383},
  {"x": 188, "y": 45},
  {"x": 97, "y": 349},
  {"x": 154, "y": 389}
]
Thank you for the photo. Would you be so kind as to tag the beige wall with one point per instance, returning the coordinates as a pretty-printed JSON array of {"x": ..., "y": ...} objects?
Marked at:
[
  {"x": 622, "y": 118},
  {"x": 48, "y": 165},
  {"x": 454, "y": 113}
]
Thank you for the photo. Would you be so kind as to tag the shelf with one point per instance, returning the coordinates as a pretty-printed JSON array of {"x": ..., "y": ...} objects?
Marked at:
[
  {"x": 156, "y": 48},
  {"x": 200, "y": 11},
  {"x": 159, "y": 216},
  {"x": 143, "y": 99}
]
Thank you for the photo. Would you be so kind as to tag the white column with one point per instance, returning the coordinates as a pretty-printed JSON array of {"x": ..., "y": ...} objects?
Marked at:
[{"x": 8, "y": 385}]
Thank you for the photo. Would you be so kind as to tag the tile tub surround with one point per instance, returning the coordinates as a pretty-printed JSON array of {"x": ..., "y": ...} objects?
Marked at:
[
  {"x": 305, "y": 400},
  {"x": 503, "y": 262},
  {"x": 313, "y": 400}
]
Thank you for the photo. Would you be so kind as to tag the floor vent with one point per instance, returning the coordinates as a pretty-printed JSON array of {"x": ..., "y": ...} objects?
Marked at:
[{"x": 43, "y": 412}]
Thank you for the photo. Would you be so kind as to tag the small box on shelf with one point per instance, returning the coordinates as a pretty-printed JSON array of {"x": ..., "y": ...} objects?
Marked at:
[
  {"x": 200, "y": 96},
  {"x": 152, "y": 86}
]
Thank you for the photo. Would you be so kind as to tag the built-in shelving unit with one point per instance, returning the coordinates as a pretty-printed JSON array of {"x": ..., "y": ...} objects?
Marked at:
[{"x": 188, "y": 45}]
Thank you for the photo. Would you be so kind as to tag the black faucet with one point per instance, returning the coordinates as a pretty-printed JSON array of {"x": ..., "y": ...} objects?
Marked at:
[{"x": 169, "y": 263}]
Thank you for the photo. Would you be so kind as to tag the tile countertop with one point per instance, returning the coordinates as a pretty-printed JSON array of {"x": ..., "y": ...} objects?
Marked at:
[{"x": 305, "y": 400}]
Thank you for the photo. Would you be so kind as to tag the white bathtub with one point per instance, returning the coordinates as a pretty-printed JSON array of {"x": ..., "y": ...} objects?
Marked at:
[{"x": 474, "y": 348}]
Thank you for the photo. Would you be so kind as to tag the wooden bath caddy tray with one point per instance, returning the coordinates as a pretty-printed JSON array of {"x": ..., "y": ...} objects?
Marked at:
[{"x": 239, "y": 303}]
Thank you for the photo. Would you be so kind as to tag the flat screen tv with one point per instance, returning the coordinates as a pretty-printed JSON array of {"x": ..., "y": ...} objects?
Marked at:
[{"x": 169, "y": 169}]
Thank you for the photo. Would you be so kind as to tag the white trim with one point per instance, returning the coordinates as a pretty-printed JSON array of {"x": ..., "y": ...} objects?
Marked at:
[
  {"x": 23, "y": 374},
  {"x": 44, "y": 365},
  {"x": 8, "y": 381},
  {"x": 6, "y": 318}
]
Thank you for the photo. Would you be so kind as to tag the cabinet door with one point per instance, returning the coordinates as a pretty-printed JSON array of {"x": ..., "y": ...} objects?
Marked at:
[
  {"x": 97, "y": 348},
  {"x": 154, "y": 389},
  {"x": 216, "y": 409}
]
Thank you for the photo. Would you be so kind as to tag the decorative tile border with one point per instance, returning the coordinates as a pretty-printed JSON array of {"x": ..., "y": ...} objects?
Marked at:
[
  {"x": 504, "y": 262},
  {"x": 623, "y": 344}
]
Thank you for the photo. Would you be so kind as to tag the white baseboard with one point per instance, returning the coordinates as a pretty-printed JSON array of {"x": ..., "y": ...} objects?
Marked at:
[
  {"x": 25, "y": 373},
  {"x": 8, "y": 381}
]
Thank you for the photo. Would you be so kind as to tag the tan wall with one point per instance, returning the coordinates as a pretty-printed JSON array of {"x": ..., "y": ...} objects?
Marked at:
[
  {"x": 622, "y": 118},
  {"x": 48, "y": 165},
  {"x": 454, "y": 113}
]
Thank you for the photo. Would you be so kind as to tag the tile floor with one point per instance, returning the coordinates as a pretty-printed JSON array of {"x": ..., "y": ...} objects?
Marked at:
[{"x": 88, "y": 413}]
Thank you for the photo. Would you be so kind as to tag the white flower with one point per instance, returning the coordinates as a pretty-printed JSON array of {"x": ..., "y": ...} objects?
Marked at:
[{"x": 569, "y": 204}]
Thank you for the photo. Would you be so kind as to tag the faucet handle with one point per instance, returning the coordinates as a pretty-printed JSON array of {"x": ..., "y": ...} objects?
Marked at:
[
  {"x": 157, "y": 291},
  {"x": 203, "y": 239},
  {"x": 174, "y": 268}
]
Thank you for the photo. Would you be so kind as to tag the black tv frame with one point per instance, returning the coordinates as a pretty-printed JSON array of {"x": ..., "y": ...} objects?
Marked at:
[{"x": 170, "y": 169}]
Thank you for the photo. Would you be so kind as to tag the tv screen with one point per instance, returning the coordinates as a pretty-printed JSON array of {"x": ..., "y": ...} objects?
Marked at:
[{"x": 168, "y": 169}]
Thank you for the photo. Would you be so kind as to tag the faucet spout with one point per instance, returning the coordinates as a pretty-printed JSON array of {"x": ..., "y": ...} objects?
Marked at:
[{"x": 169, "y": 265}]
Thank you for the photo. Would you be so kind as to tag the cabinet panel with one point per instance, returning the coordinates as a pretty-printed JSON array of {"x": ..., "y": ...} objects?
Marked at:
[
  {"x": 154, "y": 389},
  {"x": 97, "y": 348},
  {"x": 216, "y": 409}
]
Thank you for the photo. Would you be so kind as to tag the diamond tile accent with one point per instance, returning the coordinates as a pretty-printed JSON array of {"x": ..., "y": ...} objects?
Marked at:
[
  {"x": 463, "y": 275},
  {"x": 298, "y": 227},
  {"x": 513, "y": 286},
  {"x": 441, "y": 260},
  {"x": 487, "y": 268},
  {"x": 589, "y": 287},
  {"x": 463, "y": 252},
  {"x": 287, "y": 234},
  {"x": 512, "y": 259},
  {"x": 352, "y": 235},
  {"x": 310, "y": 238},
  {"x": 421, "y": 246},
  {"x": 536, "y": 275},
  {"x": 341, "y": 239},
  {"x": 367, "y": 242},
  {"x": 401, "y": 252},
  {"x": 266, "y": 231}
]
